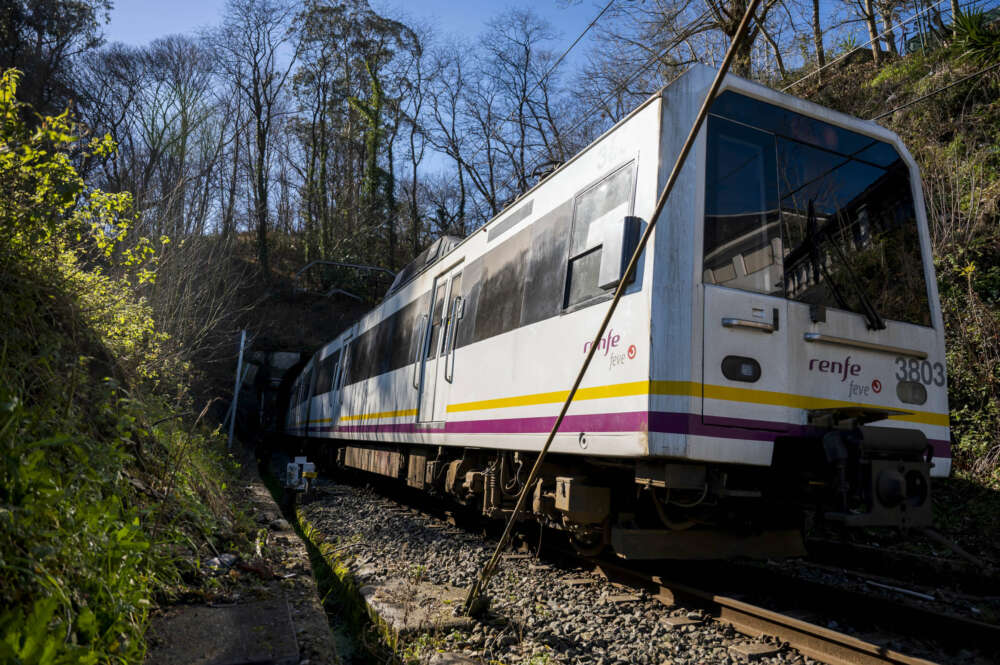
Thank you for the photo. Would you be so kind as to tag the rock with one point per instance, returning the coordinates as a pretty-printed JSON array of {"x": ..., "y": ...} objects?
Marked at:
[
  {"x": 280, "y": 524},
  {"x": 222, "y": 563}
]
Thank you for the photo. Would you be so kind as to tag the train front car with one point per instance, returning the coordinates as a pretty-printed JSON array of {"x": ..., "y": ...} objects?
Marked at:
[{"x": 817, "y": 359}]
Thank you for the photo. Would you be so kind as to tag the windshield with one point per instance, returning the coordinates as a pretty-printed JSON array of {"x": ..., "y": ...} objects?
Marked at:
[{"x": 799, "y": 208}]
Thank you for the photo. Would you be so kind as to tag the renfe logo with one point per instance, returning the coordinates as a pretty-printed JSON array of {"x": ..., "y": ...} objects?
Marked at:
[
  {"x": 844, "y": 369},
  {"x": 610, "y": 340}
]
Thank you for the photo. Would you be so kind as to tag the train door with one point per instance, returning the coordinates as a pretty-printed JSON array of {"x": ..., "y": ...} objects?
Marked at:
[
  {"x": 746, "y": 332},
  {"x": 437, "y": 365},
  {"x": 340, "y": 383}
]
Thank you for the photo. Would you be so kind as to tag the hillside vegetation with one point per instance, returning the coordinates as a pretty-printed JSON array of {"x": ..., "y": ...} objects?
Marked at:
[{"x": 110, "y": 490}]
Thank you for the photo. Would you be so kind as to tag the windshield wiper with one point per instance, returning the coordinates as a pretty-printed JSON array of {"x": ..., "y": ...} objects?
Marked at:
[
  {"x": 816, "y": 263},
  {"x": 874, "y": 320}
]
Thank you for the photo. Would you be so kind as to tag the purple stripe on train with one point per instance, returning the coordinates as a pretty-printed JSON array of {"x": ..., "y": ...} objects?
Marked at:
[{"x": 630, "y": 421}]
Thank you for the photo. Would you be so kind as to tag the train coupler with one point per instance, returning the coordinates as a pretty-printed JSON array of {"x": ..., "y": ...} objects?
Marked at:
[{"x": 878, "y": 476}]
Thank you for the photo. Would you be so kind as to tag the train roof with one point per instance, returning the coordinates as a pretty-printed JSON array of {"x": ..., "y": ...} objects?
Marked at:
[{"x": 431, "y": 253}]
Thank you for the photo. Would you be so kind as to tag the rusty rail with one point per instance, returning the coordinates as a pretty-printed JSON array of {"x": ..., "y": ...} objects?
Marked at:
[{"x": 816, "y": 642}]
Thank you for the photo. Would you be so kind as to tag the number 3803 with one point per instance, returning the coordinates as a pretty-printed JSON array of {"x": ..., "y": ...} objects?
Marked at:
[{"x": 922, "y": 371}]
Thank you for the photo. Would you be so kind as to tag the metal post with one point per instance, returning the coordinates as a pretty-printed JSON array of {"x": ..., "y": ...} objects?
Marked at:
[{"x": 236, "y": 389}]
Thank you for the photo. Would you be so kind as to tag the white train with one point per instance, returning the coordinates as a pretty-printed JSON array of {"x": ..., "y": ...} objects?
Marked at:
[{"x": 780, "y": 348}]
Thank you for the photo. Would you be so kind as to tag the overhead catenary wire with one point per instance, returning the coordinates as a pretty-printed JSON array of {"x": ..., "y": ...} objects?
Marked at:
[
  {"x": 620, "y": 88},
  {"x": 481, "y": 582},
  {"x": 590, "y": 25},
  {"x": 542, "y": 79},
  {"x": 939, "y": 90},
  {"x": 657, "y": 56}
]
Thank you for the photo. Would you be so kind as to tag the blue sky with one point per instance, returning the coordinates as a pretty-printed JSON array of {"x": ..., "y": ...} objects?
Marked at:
[{"x": 138, "y": 22}]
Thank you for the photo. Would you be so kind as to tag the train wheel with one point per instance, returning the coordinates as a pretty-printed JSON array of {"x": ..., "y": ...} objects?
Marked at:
[
  {"x": 592, "y": 541},
  {"x": 587, "y": 545}
]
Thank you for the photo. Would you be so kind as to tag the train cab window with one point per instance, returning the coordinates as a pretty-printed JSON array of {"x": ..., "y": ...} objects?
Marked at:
[
  {"x": 742, "y": 221},
  {"x": 851, "y": 232},
  {"x": 327, "y": 370},
  {"x": 596, "y": 210},
  {"x": 804, "y": 209}
]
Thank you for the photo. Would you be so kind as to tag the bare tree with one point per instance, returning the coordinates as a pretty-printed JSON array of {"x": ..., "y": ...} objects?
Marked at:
[
  {"x": 256, "y": 51},
  {"x": 817, "y": 31},
  {"x": 159, "y": 102}
]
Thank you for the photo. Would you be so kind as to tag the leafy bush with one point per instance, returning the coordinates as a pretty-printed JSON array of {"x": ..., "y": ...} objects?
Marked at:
[
  {"x": 105, "y": 494},
  {"x": 977, "y": 40}
]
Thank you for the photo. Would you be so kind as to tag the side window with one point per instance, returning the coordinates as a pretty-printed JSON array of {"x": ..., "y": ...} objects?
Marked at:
[
  {"x": 437, "y": 317},
  {"x": 543, "y": 290},
  {"x": 306, "y": 383},
  {"x": 361, "y": 357},
  {"x": 743, "y": 248},
  {"x": 405, "y": 329},
  {"x": 449, "y": 322},
  {"x": 327, "y": 370},
  {"x": 345, "y": 365},
  {"x": 596, "y": 210}
]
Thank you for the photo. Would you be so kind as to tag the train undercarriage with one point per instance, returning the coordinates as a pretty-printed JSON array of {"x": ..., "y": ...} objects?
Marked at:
[{"x": 666, "y": 509}]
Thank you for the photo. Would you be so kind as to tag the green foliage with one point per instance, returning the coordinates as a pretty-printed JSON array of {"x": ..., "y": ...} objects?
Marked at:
[
  {"x": 104, "y": 491},
  {"x": 900, "y": 71},
  {"x": 969, "y": 298},
  {"x": 976, "y": 39}
]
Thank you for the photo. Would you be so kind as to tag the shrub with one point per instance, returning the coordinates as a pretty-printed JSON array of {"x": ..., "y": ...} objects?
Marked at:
[{"x": 101, "y": 483}]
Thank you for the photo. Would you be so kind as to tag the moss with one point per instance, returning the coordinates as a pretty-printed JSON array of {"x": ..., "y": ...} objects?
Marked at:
[{"x": 345, "y": 606}]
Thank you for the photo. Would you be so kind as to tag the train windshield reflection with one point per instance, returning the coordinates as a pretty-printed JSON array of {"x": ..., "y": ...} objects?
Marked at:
[{"x": 816, "y": 213}]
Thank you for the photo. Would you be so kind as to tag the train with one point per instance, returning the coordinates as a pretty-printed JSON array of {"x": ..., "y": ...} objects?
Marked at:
[{"x": 777, "y": 358}]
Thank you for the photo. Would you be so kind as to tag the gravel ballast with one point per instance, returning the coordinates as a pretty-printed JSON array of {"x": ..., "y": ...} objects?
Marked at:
[{"x": 539, "y": 613}]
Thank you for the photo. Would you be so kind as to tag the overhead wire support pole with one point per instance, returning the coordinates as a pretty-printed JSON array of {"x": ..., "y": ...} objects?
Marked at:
[
  {"x": 236, "y": 389},
  {"x": 479, "y": 586}
]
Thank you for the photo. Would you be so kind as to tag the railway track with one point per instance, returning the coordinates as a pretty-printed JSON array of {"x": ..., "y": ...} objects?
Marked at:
[
  {"x": 755, "y": 601},
  {"x": 811, "y": 639}
]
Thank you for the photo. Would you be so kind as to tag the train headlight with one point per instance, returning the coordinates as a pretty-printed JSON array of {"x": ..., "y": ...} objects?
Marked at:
[{"x": 911, "y": 392}]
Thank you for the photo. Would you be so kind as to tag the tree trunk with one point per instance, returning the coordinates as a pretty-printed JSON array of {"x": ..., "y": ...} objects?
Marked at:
[
  {"x": 388, "y": 205},
  {"x": 873, "y": 32},
  {"x": 777, "y": 53},
  {"x": 260, "y": 176},
  {"x": 887, "y": 22},
  {"x": 228, "y": 218},
  {"x": 818, "y": 39}
]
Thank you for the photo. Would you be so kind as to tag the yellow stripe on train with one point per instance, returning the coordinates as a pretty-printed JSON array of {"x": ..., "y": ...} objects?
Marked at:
[
  {"x": 690, "y": 389},
  {"x": 382, "y": 414}
]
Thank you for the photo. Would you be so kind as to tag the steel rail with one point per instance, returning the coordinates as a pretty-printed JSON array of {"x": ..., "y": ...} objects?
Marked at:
[
  {"x": 814, "y": 641},
  {"x": 487, "y": 571}
]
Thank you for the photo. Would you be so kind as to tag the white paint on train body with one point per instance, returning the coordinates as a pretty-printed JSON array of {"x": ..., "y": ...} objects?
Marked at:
[{"x": 786, "y": 219}]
